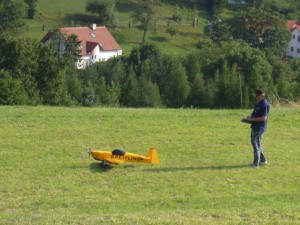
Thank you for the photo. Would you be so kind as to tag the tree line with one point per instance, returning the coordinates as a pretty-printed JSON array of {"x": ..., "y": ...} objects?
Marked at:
[
  {"x": 226, "y": 66},
  {"x": 213, "y": 76}
]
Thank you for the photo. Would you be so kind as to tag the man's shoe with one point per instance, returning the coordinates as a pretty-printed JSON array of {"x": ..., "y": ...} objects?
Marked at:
[
  {"x": 264, "y": 163},
  {"x": 253, "y": 165}
]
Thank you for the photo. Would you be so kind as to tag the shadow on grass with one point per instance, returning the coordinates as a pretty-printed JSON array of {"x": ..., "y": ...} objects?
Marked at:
[
  {"x": 124, "y": 7},
  {"x": 80, "y": 18},
  {"x": 98, "y": 168},
  {"x": 189, "y": 34},
  {"x": 159, "y": 39},
  {"x": 173, "y": 169}
]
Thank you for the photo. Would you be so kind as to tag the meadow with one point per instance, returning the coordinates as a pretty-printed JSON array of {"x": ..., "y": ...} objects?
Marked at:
[
  {"x": 55, "y": 13},
  {"x": 47, "y": 176}
]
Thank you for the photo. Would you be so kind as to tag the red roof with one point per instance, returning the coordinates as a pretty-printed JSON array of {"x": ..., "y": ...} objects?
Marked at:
[
  {"x": 292, "y": 25},
  {"x": 89, "y": 38}
]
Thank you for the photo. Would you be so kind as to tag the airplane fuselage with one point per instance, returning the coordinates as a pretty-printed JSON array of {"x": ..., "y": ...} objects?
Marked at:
[{"x": 121, "y": 156}]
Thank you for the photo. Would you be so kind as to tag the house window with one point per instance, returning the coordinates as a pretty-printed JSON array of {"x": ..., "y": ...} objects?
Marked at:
[
  {"x": 298, "y": 50},
  {"x": 294, "y": 36},
  {"x": 292, "y": 49},
  {"x": 299, "y": 38}
]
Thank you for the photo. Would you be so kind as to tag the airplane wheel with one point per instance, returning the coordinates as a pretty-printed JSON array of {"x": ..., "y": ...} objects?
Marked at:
[{"x": 104, "y": 165}]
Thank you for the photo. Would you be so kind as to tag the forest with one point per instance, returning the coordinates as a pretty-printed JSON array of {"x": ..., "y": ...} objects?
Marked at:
[{"x": 231, "y": 59}]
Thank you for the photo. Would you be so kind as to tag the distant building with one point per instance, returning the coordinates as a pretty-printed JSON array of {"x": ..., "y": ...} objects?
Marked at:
[
  {"x": 97, "y": 43},
  {"x": 293, "y": 48}
]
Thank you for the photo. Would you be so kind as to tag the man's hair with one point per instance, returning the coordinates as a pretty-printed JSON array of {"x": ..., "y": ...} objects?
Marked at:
[{"x": 260, "y": 92}]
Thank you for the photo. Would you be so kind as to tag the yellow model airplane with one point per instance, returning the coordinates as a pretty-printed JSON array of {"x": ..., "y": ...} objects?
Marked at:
[{"x": 118, "y": 156}]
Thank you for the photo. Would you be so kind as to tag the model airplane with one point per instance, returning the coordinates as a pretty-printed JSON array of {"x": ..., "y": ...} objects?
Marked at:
[{"x": 118, "y": 156}]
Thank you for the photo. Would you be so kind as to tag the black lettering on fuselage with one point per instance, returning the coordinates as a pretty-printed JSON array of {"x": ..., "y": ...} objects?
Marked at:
[{"x": 124, "y": 157}]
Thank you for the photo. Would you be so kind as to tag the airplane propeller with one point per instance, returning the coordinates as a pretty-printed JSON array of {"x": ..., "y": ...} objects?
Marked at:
[{"x": 89, "y": 151}]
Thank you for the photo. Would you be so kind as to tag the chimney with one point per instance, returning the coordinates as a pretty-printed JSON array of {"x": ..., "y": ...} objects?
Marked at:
[{"x": 93, "y": 26}]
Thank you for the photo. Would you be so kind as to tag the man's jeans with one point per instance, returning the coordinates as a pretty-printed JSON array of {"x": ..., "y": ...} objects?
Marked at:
[{"x": 256, "y": 137}]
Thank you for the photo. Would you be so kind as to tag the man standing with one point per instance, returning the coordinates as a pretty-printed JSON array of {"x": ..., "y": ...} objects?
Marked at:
[{"x": 259, "y": 120}]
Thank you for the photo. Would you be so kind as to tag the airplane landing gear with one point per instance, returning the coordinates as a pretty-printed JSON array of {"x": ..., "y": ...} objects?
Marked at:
[{"x": 104, "y": 165}]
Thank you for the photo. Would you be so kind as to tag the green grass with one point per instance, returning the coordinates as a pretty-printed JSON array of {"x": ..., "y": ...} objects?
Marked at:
[
  {"x": 203, "y": 178},
  {"x": 71, "y": 12}
]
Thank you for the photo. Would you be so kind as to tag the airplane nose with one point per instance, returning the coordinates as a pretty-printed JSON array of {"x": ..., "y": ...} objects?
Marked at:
[{"x": 89, "y": 151}]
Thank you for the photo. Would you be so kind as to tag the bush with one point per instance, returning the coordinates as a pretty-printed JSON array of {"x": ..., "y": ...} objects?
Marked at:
[{"x": 12, "y": 91}]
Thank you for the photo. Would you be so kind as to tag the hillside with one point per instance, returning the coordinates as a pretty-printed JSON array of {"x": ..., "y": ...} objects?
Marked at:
[{"x": 72, "y": 13}]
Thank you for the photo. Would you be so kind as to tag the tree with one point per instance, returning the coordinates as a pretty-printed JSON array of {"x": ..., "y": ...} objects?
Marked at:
[
  {"x": 51, "y": 76},
  {"x": 73, "y": 46},
  {"x": 74, "y": 87},
  {"x": 140, "y": 54},
  {"x": 176, "y": 87},
  {"x": 228, "y": 95},
  {"x": 275, "y": 39},
  {"x": 216, "y": 7},
  {"x": 145, "y": 16},
  {"x": 19, "y": 56},
  {"x": 134, "y": 59},
  {"x": 252, "y": 64},
  {"x": 149, "y": 51},
  {"x": 176, "y": 15},
  {"x": 11, "y": 90},
  {"x": 220, "y": 32},
  {"x": 255, "y": 3},
  {"x": 114, "y": 91},
  {"x": 295, "y": 65},
  {"x": 104, "y": 9},
  {"x": 116, "y": 71},
  {"x": 262, "y": 29},
  {"x": 255, "y": 81},
  {"x": 283, "y": 75},
  {"x": 149, "y": 93},
  {"x": 197, "y": 95},
  {"x": 149, "y": 90},
  {"x": 130, "y": 90},
  {"x": 283, "y": 7},
  {"x": 12, "y": 15},
  {"x": 8, "y": 51},
  {"x": 247, "y": 59},
  {"x": 101, "y": 91},
  {"x": 31, "y": 11},
  {"x": 88, "y": 94},
  {"x": 192, "y": 66}
]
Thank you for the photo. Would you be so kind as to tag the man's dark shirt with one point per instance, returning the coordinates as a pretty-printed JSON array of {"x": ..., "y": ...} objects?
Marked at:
[{"x": 261, "y": 109}]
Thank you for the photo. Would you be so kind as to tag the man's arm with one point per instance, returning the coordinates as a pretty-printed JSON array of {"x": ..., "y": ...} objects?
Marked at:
[{"x": 258, "y": 119}]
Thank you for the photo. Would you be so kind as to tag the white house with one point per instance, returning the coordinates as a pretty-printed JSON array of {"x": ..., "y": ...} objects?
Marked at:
[
  {"x": 293, "y": 48},
  {"x": 97, "y": 43}
]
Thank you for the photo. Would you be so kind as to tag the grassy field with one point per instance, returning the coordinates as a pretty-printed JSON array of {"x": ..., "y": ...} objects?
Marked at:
[
  {"x": 53, "y": 13},
  {"x": 48, "y": 178}
]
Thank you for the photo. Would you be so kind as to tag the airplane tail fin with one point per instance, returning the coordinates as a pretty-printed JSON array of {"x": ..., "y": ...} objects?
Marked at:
[{"x": 152, "y": 154}]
